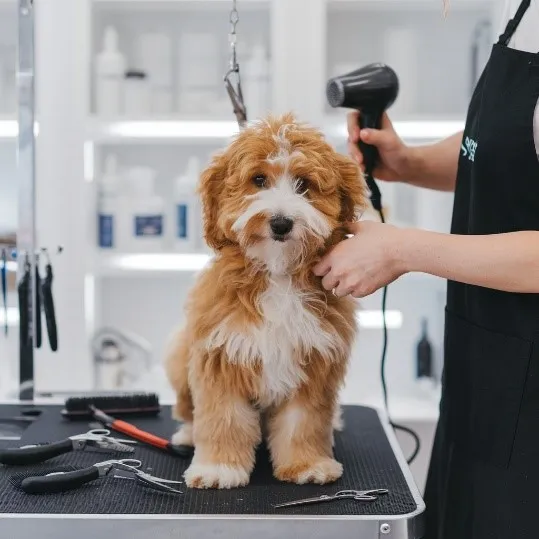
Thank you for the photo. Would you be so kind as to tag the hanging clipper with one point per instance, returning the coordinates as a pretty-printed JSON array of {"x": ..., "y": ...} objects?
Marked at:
[
  {"x": 4, "y": 288},
  {"x": 48, "y": 302},
  {"x": 23, "y": 289},
  {"x": 234, "y": 91},
  {"x": 37, "y": 291}
]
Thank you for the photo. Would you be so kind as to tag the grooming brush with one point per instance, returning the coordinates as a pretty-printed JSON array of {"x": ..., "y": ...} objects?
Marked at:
[
  {"x": 128, "y": 404},
  {"x": 183, "y": 451}
]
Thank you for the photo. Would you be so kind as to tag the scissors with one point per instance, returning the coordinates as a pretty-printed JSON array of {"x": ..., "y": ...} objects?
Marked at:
[
  {"x": 96, "y": 438},
  {"x": 63, "y": 481},
  {"x": 358, "y": 495}
]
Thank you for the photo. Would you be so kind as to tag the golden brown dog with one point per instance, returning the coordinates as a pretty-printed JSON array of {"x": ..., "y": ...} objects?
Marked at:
[{"x": 263, "y": 339}]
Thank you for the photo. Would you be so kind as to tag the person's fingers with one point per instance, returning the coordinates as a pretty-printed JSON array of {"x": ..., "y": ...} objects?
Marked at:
[
  {"x": 329, "y": 282},
  {"x": 355, "y": 153},
  {"x": 353, "y": 227},
  {"x": 342, "y": 290},
  {"x": 322, "y": 268},
  {"x": 377, "y": 137},
  {"x": 385, "y": 123},
  {"x": 352, "y": 120}
]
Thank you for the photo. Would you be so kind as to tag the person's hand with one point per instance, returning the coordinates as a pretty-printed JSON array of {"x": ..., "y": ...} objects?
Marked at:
[
  {"x": 365, "y": 262},
  {"x": 394, "y": 154}
]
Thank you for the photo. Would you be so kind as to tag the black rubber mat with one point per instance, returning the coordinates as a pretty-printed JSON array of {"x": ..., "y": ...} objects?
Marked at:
[{"x": 362, "y": 448}]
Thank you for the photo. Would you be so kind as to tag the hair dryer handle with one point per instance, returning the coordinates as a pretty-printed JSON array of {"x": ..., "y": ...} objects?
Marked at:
[{"x": 371, "y": 120}]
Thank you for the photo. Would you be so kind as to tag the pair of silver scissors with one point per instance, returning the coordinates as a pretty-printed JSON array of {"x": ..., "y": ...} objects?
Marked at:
[
  {"x": 63, "y": 481},
  {"x": 96, "y": 438},
  {"x": 358, "y": 495}
]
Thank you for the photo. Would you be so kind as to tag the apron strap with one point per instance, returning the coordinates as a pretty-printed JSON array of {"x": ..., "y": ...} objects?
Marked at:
[{"x": 514, "y": 22}]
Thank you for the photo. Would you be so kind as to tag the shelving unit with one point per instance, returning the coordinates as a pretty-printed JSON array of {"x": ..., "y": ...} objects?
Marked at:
[{"x": 144, "y": 292}]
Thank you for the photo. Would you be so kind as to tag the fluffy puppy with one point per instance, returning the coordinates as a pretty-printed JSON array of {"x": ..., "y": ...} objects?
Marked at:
[{"x": 263, "y": 339}]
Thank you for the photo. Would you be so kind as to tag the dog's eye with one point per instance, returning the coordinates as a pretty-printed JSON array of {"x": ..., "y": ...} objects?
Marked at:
[
  {"x": 301, "y": 184},
  {"x": 259, "y": 180}
]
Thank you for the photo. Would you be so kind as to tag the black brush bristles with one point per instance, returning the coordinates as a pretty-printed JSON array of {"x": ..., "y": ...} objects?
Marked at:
[{"x": 121, "y": 405}]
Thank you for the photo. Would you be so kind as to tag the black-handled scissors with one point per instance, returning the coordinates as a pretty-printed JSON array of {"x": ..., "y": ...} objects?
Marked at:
[
  {"x": 33, "y": 454},
  {"x": 63, "y": 481}
]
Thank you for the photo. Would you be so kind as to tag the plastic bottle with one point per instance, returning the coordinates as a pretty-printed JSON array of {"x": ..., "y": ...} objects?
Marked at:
[
  {"x": 109, "y": 205},
  {"x": 136, "y": 93},
  {"x": 186, "y": 207},
  {"x": 256, "y": 83},
  {"x": 110, "y": 70},
  {"x": 424, "y": 354},
  {"x": 146, "y": 210}
]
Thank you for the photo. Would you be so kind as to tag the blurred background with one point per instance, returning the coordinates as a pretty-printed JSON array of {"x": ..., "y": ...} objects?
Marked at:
[{"x": 130, "y": 104}]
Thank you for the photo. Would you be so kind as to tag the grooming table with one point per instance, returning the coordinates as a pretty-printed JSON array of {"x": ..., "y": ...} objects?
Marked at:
[{"x": 120, "y": 508}]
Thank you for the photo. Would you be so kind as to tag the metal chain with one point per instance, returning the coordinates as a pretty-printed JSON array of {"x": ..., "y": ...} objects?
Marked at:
[{"x": 232, "y": 36}]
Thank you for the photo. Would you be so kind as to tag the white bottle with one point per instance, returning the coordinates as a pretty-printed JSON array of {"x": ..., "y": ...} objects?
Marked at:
[
  {"x": 154, "y": 51},
  {"x": 109, "y": 205},
  {"x": 186, "y": 208},
  {"x": 110, "y": 70},
  {"x": 256, "y": 83},
  {"x": 401, "y": 52},
  {"x": 198, "y": 72},
  {"x": 146, "y": 210},
  {"x": 136, "y": 94}
]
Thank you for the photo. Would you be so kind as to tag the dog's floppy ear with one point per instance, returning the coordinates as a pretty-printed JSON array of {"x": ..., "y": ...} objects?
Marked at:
[
  {"x": 210, "y": 189},
  {"x": 353, "y": 189}
]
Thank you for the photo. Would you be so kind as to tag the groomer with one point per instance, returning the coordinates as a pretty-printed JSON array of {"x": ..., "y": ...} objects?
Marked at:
[{"x": 483, "y": 481}]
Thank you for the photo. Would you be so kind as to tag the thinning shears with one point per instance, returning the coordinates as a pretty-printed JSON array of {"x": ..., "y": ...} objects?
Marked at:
[{"x": 357, "y": 495}]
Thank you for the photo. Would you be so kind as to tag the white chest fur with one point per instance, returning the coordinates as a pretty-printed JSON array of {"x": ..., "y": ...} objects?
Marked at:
[{"x": 288, "y": 331}]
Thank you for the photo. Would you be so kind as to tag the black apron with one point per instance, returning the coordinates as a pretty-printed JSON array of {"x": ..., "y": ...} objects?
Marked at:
[{"x": 483, "y": 480}]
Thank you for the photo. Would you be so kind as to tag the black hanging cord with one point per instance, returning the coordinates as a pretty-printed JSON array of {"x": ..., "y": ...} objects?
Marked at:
[{"x": 376, "y": 200}]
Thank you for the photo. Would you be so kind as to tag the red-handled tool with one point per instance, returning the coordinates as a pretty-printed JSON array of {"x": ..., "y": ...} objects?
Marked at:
[{"x": 142, "y": 436}]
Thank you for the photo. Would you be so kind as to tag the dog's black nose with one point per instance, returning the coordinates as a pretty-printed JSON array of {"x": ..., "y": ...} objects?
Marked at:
[{"x": 281, "y": 225}]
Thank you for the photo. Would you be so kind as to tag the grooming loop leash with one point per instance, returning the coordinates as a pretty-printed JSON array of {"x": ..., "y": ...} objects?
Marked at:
[{"x": 234, "y": 89}]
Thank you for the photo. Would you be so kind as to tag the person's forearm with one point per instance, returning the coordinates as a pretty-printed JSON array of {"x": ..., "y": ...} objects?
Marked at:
[
  {"x": 434, "y": 166},
  {"x": 508, "y": 262}
]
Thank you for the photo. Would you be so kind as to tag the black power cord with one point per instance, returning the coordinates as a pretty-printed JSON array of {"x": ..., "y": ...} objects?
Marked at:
[{"x": 376, "y": 200}]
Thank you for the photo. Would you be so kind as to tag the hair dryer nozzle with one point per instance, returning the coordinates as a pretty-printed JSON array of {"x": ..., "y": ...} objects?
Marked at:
[{"x": 373, "y": 87}]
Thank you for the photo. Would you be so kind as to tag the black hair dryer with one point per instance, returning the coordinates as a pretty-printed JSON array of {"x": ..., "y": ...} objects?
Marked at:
[{"x": 371, "y": 90}]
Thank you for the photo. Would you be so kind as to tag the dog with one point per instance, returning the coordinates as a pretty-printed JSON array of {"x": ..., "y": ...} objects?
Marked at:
[{"x": 265, "y": 348}]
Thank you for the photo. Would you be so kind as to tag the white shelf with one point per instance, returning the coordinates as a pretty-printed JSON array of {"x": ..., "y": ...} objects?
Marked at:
[
  {"x": 413, "y": 129},
  {"x": 196, "y": 4},
  {"x": 193, "y": 130},
  {"x": 433, "y": 5},
  {"x": 127, "y": 130},
  {"x": 9, "y": 127},
  {"x": 149, "y": 264}
]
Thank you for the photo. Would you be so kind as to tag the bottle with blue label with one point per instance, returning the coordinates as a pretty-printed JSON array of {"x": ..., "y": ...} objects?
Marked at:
[
  {"x": 186, "y": 208},
  {"x": 109, "y": 205},
  {"x": 146, "y": 211}
]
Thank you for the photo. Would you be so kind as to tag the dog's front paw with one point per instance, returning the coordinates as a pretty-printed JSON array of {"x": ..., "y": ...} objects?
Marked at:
[
  {"x": 322, "y": 471},
  {"x": 215, "y": 476},
  {"x": 184, "y": 436}
]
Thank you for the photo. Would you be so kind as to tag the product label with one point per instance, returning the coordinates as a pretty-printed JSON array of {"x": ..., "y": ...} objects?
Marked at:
[
  {"x": 182, "y": 231},
  {"x": 148, "y": 225},
  {"x": 105, "y": 231}
]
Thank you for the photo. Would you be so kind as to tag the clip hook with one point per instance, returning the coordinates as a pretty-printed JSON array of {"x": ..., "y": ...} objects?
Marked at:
[{"x": 234, "y": 91}]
